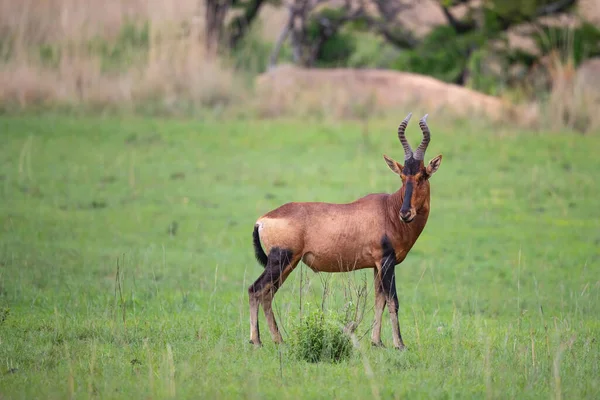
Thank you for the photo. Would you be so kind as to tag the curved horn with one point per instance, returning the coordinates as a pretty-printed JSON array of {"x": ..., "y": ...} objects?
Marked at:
[
  {"x": 420, "y": 153},
  {"x": 407, "y": 150}
]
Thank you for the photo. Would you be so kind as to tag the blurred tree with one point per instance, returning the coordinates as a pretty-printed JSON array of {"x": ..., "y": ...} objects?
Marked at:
[
  {"x": 216, "y": 10},
  {"x": 314, "y": 27},
  {"x": 461, "y": 50},
  {"x": 240, "y": 14},
  {"x": 447, "y": 52}
]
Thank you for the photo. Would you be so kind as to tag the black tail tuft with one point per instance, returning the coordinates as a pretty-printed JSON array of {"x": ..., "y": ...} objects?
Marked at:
[{"x": 258, "y": 250}]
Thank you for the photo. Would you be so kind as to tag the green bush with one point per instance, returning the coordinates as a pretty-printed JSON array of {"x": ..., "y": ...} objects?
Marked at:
[
  {"x": 252, "y": 53},
  {"x": 320, "y": 338},
  {"x": 442, "y": 54},
  {"x": 338, "y": 47},
  {"x": 49, "y": 55},
  {"x": 577, "y": 43},
  {"x": 481, "y": 78},
  {"x": 372, "y": 51}
]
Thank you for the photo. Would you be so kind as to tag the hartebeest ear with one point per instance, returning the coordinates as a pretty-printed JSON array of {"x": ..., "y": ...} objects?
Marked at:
[
  {"x": 434, "y": 164},
  {"x": 394, "y": 166}
]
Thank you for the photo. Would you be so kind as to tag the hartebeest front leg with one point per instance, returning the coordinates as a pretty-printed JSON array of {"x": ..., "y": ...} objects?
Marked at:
[
  {"x": 379, "y": 306},
  {"x": 392, "y": 303},
  {"x": 280, "y": 264},
  {"x": 388, "y": 282}
]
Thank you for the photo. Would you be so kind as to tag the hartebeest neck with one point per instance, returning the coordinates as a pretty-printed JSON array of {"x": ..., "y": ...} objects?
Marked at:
[{"x": 409, "y": 231}]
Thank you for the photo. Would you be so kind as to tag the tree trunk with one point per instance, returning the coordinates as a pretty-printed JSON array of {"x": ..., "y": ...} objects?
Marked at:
[
  {"x": 240, "y": 25},
  {"x": 285, "y": 32},
  {"x": 215, "y": 18}
]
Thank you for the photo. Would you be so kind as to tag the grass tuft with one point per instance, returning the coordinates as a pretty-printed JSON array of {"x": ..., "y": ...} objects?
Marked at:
[{"x": 320, "y": 338}]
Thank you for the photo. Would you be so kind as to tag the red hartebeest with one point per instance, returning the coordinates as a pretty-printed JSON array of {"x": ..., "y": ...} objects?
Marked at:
[{"x": 376, "y": 231}]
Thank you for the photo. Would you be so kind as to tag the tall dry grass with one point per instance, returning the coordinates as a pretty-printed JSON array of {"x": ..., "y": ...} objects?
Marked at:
[
  {"x": 170, "y": 71},
  {"x": 575, "y": 90}
]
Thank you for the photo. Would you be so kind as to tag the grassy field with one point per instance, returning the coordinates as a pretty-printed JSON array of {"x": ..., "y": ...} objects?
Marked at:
[{"x": 125, "y": 257}]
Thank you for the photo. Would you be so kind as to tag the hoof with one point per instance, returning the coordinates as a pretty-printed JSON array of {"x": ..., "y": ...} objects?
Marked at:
[
  {"x": 401, "y": 348},
  {"x": 256, "y": 344},
  {"x": 377, "y": 344}
]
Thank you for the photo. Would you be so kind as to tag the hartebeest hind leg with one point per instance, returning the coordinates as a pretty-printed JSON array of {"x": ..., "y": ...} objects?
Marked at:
[{"x": 279, "y": 266}]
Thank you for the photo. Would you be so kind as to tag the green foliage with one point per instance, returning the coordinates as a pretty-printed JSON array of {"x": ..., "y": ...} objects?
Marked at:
[
  {"x": 446, "y": 54},
  {"x": 4, "y": 313},
  {"x": 336, "y": 48},
  {"x": 6, "y": 47},
  {"x": 480, "y": 78},
  {"x": 508, "y": 8},
  {"x": 499, "y": 14},
  {"x": 318, "y": 337},
  {"x": 442, "y": 54},
  {"x": 251, "y": 56},
  {"x": 131, "y": 44},
  {"x": 576, "y": 44},
  {"x": 372, "y": 51},
  {"x": 247, "y": 4},
  {"x": 496, "y": 12},
  {"x": 49, "y": 55}
]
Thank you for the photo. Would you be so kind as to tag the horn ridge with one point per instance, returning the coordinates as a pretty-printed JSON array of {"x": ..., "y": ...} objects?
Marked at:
[
  {"x": 408, "y": 153},
  {"x": 420, "y": 153}
]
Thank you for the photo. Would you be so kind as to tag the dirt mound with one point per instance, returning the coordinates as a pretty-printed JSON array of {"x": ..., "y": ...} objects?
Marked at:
[{"x": 353, "y": 92}]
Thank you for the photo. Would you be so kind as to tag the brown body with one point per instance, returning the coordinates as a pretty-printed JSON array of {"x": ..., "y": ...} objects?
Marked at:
[
  {"x": 342, "y": 237},
  {"x": 376, "y": 231}
]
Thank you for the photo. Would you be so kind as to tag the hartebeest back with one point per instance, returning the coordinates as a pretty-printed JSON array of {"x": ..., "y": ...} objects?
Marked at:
[{"x": 376, "y": 231}]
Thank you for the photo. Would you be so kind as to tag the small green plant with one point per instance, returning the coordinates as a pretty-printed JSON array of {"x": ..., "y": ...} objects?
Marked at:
[
  {"x": 4, "y": 312},
  {"x": 318, "y": 337}
]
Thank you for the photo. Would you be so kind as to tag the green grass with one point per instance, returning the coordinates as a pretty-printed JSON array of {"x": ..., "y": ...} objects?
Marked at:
[{"x": 101, "y": 297}]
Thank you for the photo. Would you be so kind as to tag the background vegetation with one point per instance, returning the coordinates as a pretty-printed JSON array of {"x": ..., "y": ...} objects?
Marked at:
[{"x": 185, "y": 57}]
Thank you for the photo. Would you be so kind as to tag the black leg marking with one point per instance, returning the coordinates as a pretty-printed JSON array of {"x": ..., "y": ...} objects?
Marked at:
[
  {"x": 388, "y": 281},
  {"x": 270, "y": 279},
  {"x": 388, "y": 272}
]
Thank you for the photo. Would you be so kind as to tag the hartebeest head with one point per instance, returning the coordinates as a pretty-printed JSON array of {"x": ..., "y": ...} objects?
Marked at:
[{"x": 414, "y": 174}]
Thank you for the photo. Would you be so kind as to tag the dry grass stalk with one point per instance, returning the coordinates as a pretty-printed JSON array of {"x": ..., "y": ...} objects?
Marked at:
[{"x": 575, "y": 95}]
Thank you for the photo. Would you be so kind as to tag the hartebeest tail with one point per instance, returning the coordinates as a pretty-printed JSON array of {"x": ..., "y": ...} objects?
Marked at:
[
  {"x": 259, "y": 253},
  {"x": 376, "y": 231}
]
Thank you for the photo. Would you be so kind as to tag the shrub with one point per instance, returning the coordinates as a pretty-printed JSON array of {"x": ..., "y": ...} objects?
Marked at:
[
  {"x": 320, "y": 338},
  {"x": 372, "y": 51},
  {"x": 251, "y": 55},
  {"x": 338, "y": 46},
  {"x": 443, "y": 54}
]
